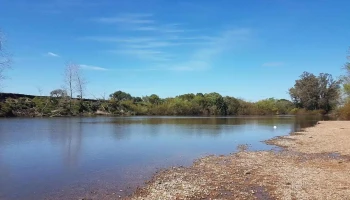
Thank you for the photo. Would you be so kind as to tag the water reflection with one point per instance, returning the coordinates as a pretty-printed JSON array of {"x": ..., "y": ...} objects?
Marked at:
[{"x": 61, "y": 152}]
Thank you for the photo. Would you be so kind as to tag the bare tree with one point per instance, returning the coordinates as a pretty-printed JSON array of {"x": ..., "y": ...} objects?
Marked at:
[
  {"x": 75, "y": 81},
  {"x": 40, "y": 90},
  {"x": 80, "y": 83},
  {"x": 4, "y": 58},
  {"x": 69, "y": 75}
]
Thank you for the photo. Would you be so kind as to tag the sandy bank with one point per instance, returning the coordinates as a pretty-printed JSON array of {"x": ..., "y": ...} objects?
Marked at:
[{"x": 307, "y": 168}]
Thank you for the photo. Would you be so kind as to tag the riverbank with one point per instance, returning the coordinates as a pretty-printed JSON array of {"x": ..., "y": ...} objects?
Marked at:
[{"x": 314, "y": 164}]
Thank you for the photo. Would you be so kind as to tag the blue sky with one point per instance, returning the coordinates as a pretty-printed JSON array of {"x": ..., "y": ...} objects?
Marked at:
[{"x": 250, "y": 49}]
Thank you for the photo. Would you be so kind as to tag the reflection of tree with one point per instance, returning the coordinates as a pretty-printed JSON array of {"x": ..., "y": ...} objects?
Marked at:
[
  {"x": 301, "y": 122},
  {"x": 121, "y": 131},
  {"x": 68, "y": 132},
  {"x": 4, "y": 170},
  {"x": 73, "y": 146},
  {"x": 215, "y": 126}
]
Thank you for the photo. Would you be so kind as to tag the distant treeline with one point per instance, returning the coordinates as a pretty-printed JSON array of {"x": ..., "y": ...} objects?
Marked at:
[
  {"x": 310, "y": 95},
  {"x": 122, "y": 103}
]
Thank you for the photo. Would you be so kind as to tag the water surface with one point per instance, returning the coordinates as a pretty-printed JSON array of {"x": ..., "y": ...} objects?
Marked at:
[{"x": 70, "y": 158}]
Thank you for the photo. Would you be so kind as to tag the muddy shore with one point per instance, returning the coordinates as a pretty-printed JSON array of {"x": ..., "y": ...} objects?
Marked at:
[{"x": 314, "y": 164}]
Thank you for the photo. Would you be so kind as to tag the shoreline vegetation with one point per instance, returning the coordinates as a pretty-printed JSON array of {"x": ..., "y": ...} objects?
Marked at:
[
  {"x": 58, "y": 104},
  {"x": 313, "y": 164}
]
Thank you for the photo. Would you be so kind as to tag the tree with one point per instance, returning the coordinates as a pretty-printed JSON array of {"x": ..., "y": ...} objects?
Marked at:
[
  {"x": 74, "y": 81},
  {"x": 232, "y": 105},
  {"x": 80, "y": 82},
  {"x": 312, "y": 93},
  {"x": 346, "y": 77},
  {"x": 154, "y": 99},
  {"x": 267, "y": 106},
  {"x": 329, "y": 92},
  {"x": 187, "y": 97},
  {"x": 305, "y": 92},
  {"x": 284, "y": 106},
  {"x": 58, "y": 93},
  {"x": 69, "y": 74},
  {"x": 120, "y": 96},
  {"x": 137, "y": 99},
  {"x": 4, "y": 58},
  {"x": 215, "y": 103}
]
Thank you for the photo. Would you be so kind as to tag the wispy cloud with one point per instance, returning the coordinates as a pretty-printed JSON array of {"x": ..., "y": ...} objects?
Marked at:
[
  {"x": 52, "y": 54},
  {"x": 169, "y": 46},
  {"x": 202, "y": 58},
  {"x": 153, "y": 48},
  {"x": 145, "y": 54},
  {"x": 273, "y": 64},
  {"x": 95, "y": 68},
  {"x": 203, "y": 48},
  {"x": 128, "y": 19}
]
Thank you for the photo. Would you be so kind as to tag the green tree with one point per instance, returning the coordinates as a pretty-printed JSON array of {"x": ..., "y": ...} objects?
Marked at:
[
  {"x": 232, "y": 105},
  {"x": 267, "y": 106},
  {"x": 120, "y": 96},
  {"x": 137, "y": 99},
  {"x": 187, "y": 97},
  {"x": 312, "y": 93},
  {"x": 346, "y": 77},
  {"x": 215, "y": 104},
  {"x": 284, "y": 106},
  {"x": 329, "y": 92},
  {"x": 154, "y": 99},
  {"x": 305, "y": 92}
]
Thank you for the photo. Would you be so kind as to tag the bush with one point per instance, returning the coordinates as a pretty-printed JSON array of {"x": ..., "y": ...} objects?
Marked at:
[
  {"x": 5, "y": 110},
  {"x": 344, "y": 112}
]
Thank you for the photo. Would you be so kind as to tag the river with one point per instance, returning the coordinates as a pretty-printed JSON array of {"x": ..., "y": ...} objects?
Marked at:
[{"x": 71, "y": 158}]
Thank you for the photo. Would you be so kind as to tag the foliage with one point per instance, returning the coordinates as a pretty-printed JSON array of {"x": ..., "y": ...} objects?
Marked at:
[
  {"x": 344, "y": 111},
  {"x": 58, "y": 93},
  {"x": 346, "y": 77},
  {"x": 315, "y": 93},
  {"x": 120, "y": 96}
]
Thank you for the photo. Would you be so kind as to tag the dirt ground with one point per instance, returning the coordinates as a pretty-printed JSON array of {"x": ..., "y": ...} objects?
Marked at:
[{"x": 314, "y": 164}]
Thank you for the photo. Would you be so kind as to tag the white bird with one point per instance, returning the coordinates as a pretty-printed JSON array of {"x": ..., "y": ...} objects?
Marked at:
[{"x": 274, "y": 127}]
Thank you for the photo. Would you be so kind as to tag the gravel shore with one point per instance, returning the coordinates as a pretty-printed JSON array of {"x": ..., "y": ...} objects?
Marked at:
[{"x": 314, "y": 164}]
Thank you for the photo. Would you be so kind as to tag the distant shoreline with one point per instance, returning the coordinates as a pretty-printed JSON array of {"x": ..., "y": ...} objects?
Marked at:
[{"x": 314, "y": 163}]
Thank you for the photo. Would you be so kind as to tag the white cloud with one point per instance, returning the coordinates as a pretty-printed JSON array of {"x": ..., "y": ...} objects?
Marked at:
[
  {"x": 89, "y": 67},
  {"x": 273, "y": 64},
  {"x": 52, "y": 54}
]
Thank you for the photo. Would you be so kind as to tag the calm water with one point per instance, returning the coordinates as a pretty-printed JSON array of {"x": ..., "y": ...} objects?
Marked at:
[{"x": 69, "y": 158}]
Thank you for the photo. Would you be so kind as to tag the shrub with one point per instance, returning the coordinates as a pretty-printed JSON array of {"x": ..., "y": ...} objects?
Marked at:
[{"x": 344, "y": 112}]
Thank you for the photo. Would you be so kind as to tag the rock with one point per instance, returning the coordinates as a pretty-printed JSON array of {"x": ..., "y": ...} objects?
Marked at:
[{"x": 247, "y": 172}]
